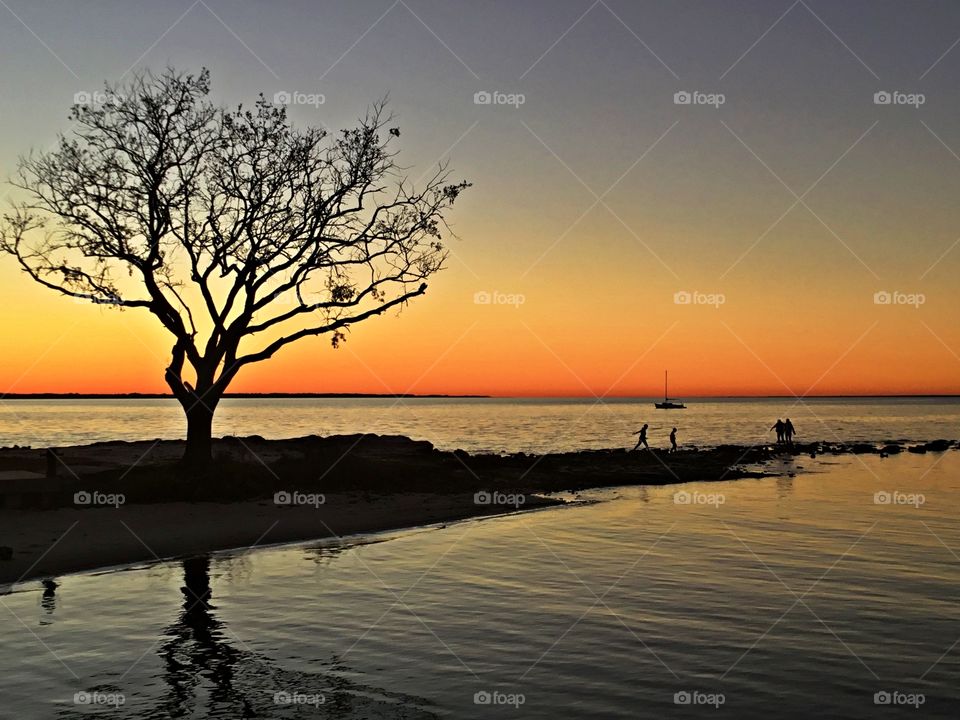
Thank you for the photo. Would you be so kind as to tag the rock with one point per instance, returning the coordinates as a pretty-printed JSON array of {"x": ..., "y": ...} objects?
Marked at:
[
  {"x": 891, "y": 449},
  {"x": 918, "y": 449},
  {"x": 862, "y": 448}
]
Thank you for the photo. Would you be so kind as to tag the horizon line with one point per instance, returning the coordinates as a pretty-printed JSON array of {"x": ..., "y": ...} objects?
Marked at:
[{"x": 453, "y": 396}]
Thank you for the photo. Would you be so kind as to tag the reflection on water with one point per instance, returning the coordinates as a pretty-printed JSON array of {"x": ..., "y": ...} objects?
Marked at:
[
  {"x": 48, "y": 601},
  {"x": 194, "y": 652},
  {"x": 208, "y": 672},
  {"x": 790, "y": 597}
]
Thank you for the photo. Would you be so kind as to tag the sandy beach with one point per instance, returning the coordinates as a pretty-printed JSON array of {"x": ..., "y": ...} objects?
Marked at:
[{"x": 47, "y": 543}]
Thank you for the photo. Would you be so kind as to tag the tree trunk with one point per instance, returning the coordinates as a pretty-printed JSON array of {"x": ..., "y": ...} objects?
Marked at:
[{"x": 199, "y": 449}]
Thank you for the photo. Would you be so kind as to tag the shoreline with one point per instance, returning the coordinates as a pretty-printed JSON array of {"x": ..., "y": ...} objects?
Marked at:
[
  {"x": 104, "y": 539},
  {"x": 266, "y": 492},
  {"x": 412, "y": 396},
  {"x": 242, "y": 396}
]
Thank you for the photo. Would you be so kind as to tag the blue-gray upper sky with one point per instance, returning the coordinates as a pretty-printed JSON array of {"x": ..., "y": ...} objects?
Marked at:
[{"x": 599, "y": 180}]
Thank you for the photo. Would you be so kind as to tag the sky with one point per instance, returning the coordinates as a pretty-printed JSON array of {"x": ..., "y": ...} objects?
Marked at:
[{"x": 784, "y": 233}]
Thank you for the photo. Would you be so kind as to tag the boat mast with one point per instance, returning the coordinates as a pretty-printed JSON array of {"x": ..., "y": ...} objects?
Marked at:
[{"x": 665, "y": 386}]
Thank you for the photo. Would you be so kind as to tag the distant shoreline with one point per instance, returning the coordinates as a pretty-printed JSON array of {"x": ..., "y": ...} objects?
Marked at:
[
  {"x": 251, "y": 396},
  {"x": 445, "y": 396}
]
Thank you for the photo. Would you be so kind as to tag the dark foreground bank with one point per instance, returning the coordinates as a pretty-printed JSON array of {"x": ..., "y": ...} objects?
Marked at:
[{"x": 120, "y": 502}]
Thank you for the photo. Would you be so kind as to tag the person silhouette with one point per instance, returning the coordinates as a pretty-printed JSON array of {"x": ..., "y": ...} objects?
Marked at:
[
  {"x": 673, "y": 440},
  {"x": 642, "y": 432},
  {"x": 779, "y": 427},
  {"x": 788, "y": 431}
]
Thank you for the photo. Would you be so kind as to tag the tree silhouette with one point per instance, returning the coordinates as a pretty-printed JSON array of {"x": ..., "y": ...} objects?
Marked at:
[{"x": 240, "y": 232}]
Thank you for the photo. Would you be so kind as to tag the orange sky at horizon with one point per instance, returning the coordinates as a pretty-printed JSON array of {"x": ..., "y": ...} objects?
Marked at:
[
  {"x": 600, "y": 316},
  {"x": 550, "y": 346}
]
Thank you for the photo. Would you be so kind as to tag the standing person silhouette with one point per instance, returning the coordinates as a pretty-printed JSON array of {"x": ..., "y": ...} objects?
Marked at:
[
  {"x": 779, "y": 427},
  {"x": 642, "y": 432},
  {"x": 788, "y": 431},
  {"x": 673, "y": 440}
]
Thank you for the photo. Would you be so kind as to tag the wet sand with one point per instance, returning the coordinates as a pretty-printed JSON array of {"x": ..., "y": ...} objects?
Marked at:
[{"x": 48, "y": 543}]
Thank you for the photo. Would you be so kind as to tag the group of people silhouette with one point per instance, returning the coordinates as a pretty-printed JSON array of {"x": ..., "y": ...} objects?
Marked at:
[
  {"x": 784, "y": 428},
  {"x": 785, "y": 431},
  {"x": 642, "y": 432}
]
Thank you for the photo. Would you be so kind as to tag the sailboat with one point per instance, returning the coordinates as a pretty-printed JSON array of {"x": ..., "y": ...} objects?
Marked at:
[{"x": 667, "y": 403}]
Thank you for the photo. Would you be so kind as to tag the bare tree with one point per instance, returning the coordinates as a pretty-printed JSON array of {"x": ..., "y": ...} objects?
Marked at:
[{"x": 240, "y": 232}]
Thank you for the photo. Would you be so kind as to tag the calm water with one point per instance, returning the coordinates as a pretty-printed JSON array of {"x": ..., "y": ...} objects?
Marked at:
[
  {"x": 793, "y": 597},
  {"x": 488, "y": 425}
]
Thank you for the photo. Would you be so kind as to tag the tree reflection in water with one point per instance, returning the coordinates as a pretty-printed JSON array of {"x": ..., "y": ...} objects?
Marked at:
[{"x": 211, "y": 673}]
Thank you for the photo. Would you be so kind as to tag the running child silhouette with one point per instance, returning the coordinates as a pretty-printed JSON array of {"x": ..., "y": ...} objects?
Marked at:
[{"x": 642, "y": 432}]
